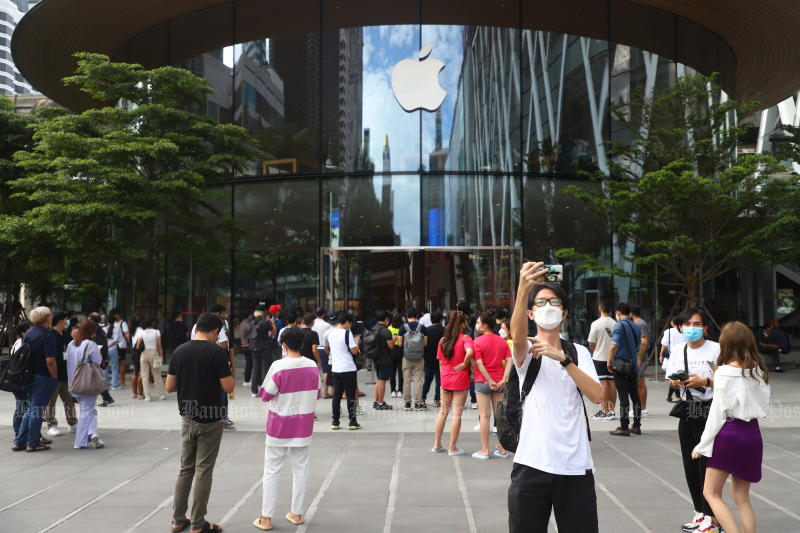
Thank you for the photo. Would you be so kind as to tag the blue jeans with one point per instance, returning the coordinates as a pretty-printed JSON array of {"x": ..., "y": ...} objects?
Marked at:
[
  {"x": 21, "y": 405},
  {"x": 30, "y": 428},
  {"x": 112, "y": 379},
  {"x": 431, "y": 373}
]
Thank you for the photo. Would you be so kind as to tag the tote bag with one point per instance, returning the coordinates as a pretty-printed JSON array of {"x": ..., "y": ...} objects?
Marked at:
[{"x": 87, "y": 379}]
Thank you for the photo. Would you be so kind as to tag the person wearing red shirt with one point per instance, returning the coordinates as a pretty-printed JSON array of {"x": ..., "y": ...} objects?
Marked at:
[
  {"x": 454, "y": 355},
  {"x": 493, "y": 359}
]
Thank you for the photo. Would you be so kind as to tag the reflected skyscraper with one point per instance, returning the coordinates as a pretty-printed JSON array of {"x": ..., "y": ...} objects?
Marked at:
[{"x": 387, "y": 157}]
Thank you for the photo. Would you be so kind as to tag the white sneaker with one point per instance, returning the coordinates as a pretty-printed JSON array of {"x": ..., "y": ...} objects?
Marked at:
[
  {"x": 73, "y": 428},
  {"x": 54, "y": 432},
  {"x": 254, "y": 395},
  {"x": 477, "y": 428},
  {"x": 494, "y": 430},
  {"x": 644, "y": 412},
  {"x": 245, "y": 383},
  {"x": 694, "y": 523},
  {"x": 163, "y": 397},
  {"x": 147, "y": 398},
  {"x": 96, "y": 443},
  {"x": 394, "y": 394},
  {"x": 474, "y": 406}
]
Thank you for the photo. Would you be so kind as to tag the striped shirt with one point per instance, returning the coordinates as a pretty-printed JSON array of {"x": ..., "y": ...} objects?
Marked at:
[{"x": 292, "y": 390}]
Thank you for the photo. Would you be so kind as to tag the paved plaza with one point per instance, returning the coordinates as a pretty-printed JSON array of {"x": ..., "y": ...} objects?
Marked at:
[{"x": 380, "y": 479}]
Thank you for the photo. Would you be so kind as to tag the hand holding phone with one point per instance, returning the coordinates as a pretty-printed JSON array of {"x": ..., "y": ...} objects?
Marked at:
[{"x": 681, "y": 375}]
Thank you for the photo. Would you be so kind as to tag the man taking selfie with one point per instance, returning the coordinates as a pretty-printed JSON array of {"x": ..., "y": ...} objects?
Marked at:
[{"x": 553, "y": 468}]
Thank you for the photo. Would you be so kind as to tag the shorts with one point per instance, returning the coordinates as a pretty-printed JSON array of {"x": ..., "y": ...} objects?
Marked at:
[
  {"x": 481, "y": 387},
  {"x": 384, "y": 372},
  {"x": 641, "y": 371},
  {"x": 325, "y": 361},
  {"x": 448, "y": 390},
  {"x": 601, "y": 367}
]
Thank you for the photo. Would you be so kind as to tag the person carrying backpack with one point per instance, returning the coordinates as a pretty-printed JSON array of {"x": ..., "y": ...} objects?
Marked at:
[
  {"x": 262, "y": 342},
  {"x": 553, "y": 468},
  {"x": 413, "y": 339},
  {"x": 38, "y": 352},
  {"x": 378, "y": 344}
]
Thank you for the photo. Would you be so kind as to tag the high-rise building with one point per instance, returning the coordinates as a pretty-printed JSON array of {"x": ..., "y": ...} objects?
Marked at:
[
  {"x": 387, "y": 156},
  {"x": 11, "y": 81}
]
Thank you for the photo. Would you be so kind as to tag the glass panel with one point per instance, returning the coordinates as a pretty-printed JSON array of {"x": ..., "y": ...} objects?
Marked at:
[
  {"x": 276, "y": 256},
  {"x": 471, "y": 211},
  {"x": 371, "y": 211},
  {"x": 483, "y": 278},
  {"x": 211, "y": 66}
]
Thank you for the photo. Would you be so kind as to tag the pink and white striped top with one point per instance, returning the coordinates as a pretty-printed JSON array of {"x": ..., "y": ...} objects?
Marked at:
[{"x": 292, "y": 390}]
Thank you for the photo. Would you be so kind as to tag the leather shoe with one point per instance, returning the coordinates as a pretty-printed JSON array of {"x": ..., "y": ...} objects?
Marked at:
[
  {"x": 636, "y": 431},
  {"x": 619, "y": 432}
]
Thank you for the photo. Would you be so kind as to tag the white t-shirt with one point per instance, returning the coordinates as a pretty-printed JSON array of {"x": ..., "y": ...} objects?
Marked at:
[
  {"x": 426, "y": 320},
  {"x": 118, "y": 334},
  {"x": 554, "y": 436},
  {"x": 149, "y": 338},
  {"x": 322, "y": 328},
  {"x": 700, "y": 361},
  {"x": 671, "y": 339},
  {"x": 341, "y": 359},
  {"x": 600, "y": 335}
]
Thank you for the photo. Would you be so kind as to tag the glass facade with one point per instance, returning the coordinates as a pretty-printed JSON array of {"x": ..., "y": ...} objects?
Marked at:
[{"x": 358, "y": 204}]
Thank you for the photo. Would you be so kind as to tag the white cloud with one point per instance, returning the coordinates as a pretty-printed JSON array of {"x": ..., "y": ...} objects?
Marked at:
[{"x": 401, "y": 35}]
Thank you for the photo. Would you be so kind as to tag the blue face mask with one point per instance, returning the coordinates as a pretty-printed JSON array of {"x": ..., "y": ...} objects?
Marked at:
[{"x": 692, "y": 334}]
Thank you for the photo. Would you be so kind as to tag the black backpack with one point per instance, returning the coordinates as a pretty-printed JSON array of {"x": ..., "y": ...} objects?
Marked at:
[
  {"x": 509, "y": 411},
  {"x": 17, "y": 372},
  {"x": 370, "y": 343}
]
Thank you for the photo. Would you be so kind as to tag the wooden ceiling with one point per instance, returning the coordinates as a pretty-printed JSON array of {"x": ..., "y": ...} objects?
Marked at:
[{"x": 754, "y": 45}]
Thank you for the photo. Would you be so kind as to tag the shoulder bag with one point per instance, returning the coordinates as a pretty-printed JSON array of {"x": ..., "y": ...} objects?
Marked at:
[
  {"x": 689, "y": 407},
  {"x": 87, "y": 378}
]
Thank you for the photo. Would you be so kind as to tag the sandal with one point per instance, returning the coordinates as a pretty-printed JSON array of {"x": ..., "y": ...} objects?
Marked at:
[
  {"x": 257, "y": 524},
  {"x": 18, "y": 448},
  {"x": 38, "y": 448},
  {"x": 180, "y": 525},
  {"x": 288, "y": 517}
]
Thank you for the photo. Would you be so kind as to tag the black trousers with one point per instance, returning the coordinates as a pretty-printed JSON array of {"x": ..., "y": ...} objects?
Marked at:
[
  {"x": 344, "y": 382},
  {"x": 248, "y": 363},
  {"x": 533, "y": 494},
  {"x": 262, "y": 360},
  {"x": 396, "y": 381},
  {"x": 689, "y": 433},
  {"x": 627, "y": 386}
]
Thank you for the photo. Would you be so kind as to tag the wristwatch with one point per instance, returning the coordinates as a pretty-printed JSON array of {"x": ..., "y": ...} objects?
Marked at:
[
  {"x": 567, "y": 360},
  {"x": 708, "y": 382}
]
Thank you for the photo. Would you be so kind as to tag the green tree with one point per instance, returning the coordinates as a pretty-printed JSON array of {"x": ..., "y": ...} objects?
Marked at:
[
  {"x": 131, "y": 179},
  {"x": 679, "y": 198}
]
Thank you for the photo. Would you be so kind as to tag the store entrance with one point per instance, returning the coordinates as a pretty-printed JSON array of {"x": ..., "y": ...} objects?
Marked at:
[{"x": 362, "y": 280}]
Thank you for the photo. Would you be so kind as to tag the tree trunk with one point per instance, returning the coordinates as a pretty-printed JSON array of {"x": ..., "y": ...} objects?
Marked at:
[{"x": 692, "y": 293}]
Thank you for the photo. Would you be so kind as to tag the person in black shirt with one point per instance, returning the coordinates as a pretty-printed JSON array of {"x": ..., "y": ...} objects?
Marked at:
[
  {"x": 384, "y": 363},
  {"x": 435, "y": 334},
  {"x": 62, "y": 337},
  {"x": 199, "y": 371},
  {"x": 177, "y": 332},
  {"x": 310, "y": 339}
]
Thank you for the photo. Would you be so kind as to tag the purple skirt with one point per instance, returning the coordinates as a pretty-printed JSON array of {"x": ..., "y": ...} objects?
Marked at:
[{"x": 738, "y": 450}]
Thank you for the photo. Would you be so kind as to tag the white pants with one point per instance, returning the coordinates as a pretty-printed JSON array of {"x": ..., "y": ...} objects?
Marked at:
[
  {"x": 87, "y": 419},
  {"x": 273, "y": 461}
]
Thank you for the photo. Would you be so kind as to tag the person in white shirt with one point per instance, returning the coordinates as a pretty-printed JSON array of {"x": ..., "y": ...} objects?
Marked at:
[
  {"x": 122, "y": 339},
  {"x": 151, "y": 359},
  {"x": 732, "y": 439},
  {"x": 669, "y": 340},
  {"x": 322, "y": 328},
  {"x": 553, "y": 468},
  {"x": 425, "y": 319},
  {"x": 342, "y": 345},
  {"x": 599, "y": 344},
  {"x": 695, "y": 357}
]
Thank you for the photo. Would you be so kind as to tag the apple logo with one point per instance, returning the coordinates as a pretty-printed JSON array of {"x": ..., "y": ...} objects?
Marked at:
[{"x": 416, "y": 83}]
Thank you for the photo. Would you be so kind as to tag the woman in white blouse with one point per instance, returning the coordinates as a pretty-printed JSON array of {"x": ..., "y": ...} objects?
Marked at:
[
  {"x": 84, "y": 348},
  {"x": 151, "y": 359},
  {"x": 732, "y": 438}
]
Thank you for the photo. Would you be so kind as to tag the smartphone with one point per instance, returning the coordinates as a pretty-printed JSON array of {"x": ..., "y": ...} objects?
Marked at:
[
  {"x": 556, "y": 272},
  {"x": 679, "y": 376}
]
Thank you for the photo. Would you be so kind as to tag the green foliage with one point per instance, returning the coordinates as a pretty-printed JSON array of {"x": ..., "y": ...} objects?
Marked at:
[
  {"x": 678, "y": 198},
  {"x": 130, "y": 180}
]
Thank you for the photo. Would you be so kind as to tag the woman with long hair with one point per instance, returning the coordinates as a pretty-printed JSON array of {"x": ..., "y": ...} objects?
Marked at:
[
  {"x": 732, "y": 439},
  {"x": 84, "y": 348},
  {"x": 454, "y": 355},
  {"x": 151, "y": 359},
  {"x": 493, "y": 361}
]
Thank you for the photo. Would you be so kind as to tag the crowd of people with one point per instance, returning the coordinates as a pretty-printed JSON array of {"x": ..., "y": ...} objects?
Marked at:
[{"x": 293, "y": 360}]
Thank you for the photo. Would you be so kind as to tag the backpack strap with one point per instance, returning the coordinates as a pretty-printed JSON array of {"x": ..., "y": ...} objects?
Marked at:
[
  {"x": 83, "y": 356},
  {"x": 530, "y": 377},
  {"x": 570, "y": 350}
]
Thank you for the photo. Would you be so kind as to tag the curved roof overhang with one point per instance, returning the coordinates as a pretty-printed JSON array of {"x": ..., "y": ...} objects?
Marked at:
[{"x": 753, "y": 45}]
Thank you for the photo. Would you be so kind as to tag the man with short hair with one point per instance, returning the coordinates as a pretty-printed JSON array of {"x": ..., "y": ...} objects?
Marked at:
[
  {"x": 224, "y": 343},
  {"x": 62, "y": 390},
  {"x": 644, "y": 335},
  {"x": 432, "y": 376},
  {"x": 625, "y": 340},
  {"x": 771, "y": 341},
  {"x": 384, "y": 364},
  {"x": 322, "y": 327},
  {"x": 201, "y": 374},
  {"x": 599, "y": 344},
  {"x": 262, "y": 344},
  {"x": 553, "y": 470},
  {"x": 413, "y": 339},
  {"x": 343, "y": 346},
  {"x": 310, "y": 339}
]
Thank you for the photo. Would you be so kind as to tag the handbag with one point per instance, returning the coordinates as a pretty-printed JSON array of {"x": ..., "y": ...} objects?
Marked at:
[
  {"x": 620, "y": 366},
  {"x": 87, "y": 378}
]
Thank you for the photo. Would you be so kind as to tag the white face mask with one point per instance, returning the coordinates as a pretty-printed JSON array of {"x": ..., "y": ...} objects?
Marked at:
[
  {"x": 503, "y": 333},
  {"x": 548, "y": 317}
]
